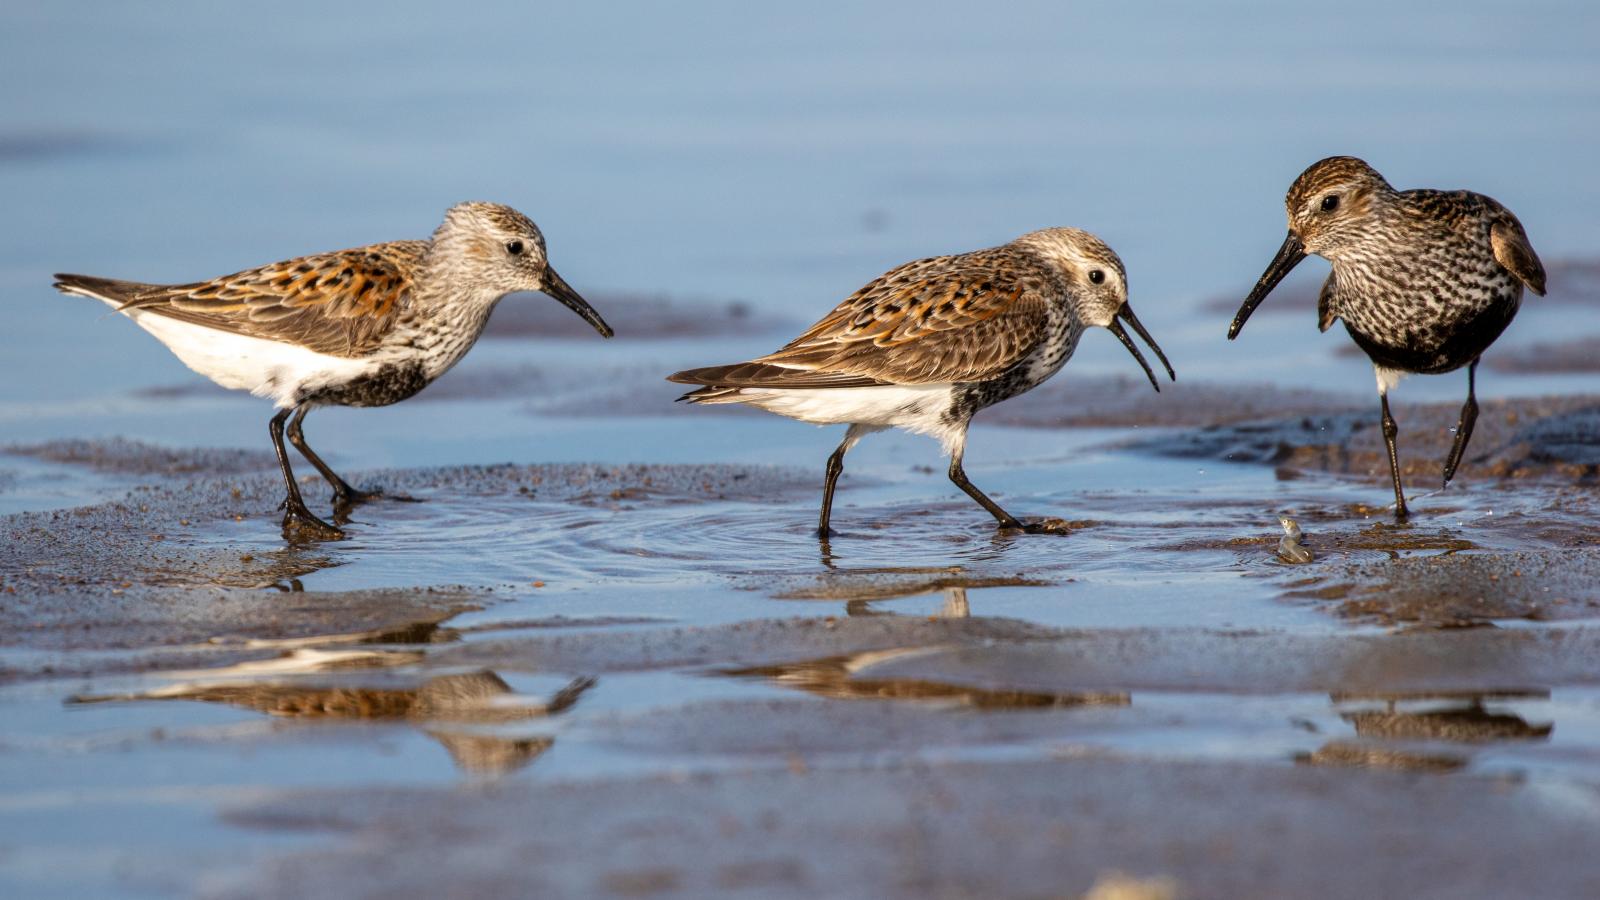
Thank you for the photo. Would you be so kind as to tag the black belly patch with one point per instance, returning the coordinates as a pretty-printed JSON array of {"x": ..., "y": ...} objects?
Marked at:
[
  {"x": 1457, "y": 344},
  {"x": 972, "y": 396},
  {"x": 391, "y": 383}
]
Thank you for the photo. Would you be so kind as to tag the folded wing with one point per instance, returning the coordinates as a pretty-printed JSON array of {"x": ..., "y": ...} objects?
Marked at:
[
  {"x": 940, "y": 320},
  {"x": 339, "y": 303}
]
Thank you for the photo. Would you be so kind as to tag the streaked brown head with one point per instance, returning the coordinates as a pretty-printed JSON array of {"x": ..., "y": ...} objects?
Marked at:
[
  {"x": 500, "y": 251},
  {"x": 1098, "y": 286},
  {"x": 1331, "y": 202},
  {"x": 1330, "y": 208}
]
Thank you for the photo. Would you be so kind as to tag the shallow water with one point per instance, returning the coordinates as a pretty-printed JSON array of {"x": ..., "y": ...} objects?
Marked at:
[{"x": 775, "y": 160}]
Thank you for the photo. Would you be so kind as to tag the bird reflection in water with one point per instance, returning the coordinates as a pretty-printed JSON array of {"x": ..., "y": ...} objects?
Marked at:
[{"x": 448, "y": 708}]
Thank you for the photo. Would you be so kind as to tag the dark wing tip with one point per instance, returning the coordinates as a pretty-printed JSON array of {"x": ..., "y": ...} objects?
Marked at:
[
  {"x": 706, "y": 375},
  {"x": 1536, "y": 283}
]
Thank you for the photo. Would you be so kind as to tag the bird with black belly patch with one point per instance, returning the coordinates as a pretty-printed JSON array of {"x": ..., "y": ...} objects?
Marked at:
[
  {"x": 1423, "y": 280},
  {"x": 364, "y": 327},
  {"x": 928, "y": 344}
]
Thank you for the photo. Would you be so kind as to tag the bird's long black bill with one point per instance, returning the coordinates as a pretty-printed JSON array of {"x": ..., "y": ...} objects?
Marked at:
[
  {"x": 557, "y": 287},
  {"x": 1138, "y": 327},
  {"x": 1289, "y": 256},
  {"x": 1116, "y": 328}
]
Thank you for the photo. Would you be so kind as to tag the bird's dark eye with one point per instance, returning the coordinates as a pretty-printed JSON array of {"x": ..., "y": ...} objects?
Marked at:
[
  {"x": 1330, "y": 203},
  {"x": 514, "y": 248},
  {"x": 1096, "y": 276}
]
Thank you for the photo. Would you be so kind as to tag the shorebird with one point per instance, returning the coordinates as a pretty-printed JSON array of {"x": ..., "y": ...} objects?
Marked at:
[
  {"x": 1423, "y": 280},
  {"x": 368, "y": 326},
  {"x": 927, "y": 345}
]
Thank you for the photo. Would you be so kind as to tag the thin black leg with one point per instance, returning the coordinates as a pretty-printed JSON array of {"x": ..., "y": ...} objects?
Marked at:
[
  {"x": 1389, "y": 431},
  {"x": 343, "y": 494},
  {"x": 1469, "y": 417},
  {"x": 835, "y": 469},
  {"x": 959, "y": 476},
  {"x": 298, "y": 522}
]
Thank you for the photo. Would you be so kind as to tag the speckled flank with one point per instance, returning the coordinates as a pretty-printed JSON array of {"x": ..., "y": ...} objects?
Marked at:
[{"x": 390, "y": 383}]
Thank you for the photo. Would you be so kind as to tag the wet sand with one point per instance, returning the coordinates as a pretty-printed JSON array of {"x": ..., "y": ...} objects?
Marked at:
[
  {"x": 1045, "y": 829},
  {"x": 881, "y": 717},
  {"x": 1552, "y": 438}
]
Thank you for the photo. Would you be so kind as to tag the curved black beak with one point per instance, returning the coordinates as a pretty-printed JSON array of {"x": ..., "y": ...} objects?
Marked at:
[
  {"x": 1289, "y": 256},
  {"x": 557, "y": 287},
  {"x": 1115, "y": 328}
]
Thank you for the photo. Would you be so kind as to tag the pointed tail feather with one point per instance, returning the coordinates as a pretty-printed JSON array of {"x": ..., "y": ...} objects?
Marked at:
[
  {"x": 716, "y": 394},
  {"x": 756, "y": 374},
  {"x": 108, "y": 290}
]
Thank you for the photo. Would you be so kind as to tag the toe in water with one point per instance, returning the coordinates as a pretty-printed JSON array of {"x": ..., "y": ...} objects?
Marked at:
[{"x": 301, "y": 527}]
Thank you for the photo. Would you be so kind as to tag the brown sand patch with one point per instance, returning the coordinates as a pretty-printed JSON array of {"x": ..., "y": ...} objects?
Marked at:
[
  {"x": 1549, "y": 437},
  {"x": 1468, "y": 589}
]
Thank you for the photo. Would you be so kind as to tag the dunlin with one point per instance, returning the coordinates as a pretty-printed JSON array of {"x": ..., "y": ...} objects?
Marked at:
[
  {"x": 928, "y": 344},
  {"x": 1423, "y": 280},
  {"x": 369, "y": 326}
]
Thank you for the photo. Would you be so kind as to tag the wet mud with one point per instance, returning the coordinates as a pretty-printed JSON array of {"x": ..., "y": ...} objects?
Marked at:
[
  {"x": 867, "y": 701},
  {"x": 1049, "y": 829},
  {"x": 1554, "y": 438},
  {"x": 1467, "y": 590},
  {"x": 153, "y": 580}
]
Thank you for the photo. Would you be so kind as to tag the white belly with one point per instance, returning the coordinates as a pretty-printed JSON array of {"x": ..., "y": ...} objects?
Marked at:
[
  {"x": 264, "y": 368},
  {"x": 1387, "y": 378},
  {"x": 915, "y": 408}
]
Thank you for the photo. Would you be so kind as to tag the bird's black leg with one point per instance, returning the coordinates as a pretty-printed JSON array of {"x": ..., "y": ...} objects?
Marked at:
[
  {"x": 1389, "y": 431},
  {"x": 344, "y": 496},
  {"x": 1469, "y": 417},
  {"x": 835, "y": 469},
  {"x": 298, "y": 522},
  {"x": 959, "y": 476}
]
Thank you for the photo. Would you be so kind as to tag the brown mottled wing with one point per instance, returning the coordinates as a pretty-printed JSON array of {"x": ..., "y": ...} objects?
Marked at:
[
  {"x": 339, "y": 303},
  {"x": 946, "y": 319},
  {"x": 1513, "y": 250}
]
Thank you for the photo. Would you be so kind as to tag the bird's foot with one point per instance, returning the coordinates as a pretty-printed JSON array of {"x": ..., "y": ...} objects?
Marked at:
[
  {"x": 1045, "y": 525},
  {"x": 300, "y": 526},
  {"x": 346, "y": 498}
]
